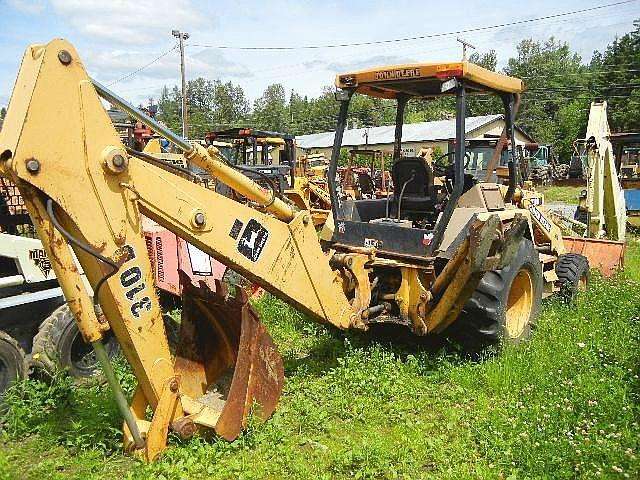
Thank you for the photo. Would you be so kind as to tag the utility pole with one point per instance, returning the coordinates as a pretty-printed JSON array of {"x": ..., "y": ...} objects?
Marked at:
[
  {"x": 182, "y": 36},
  {"x": 465, "y": 45}
]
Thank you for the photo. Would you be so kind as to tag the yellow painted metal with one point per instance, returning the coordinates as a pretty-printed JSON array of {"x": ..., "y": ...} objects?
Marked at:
[
  {"x": 276, "y": 141},
  {"x": 356, "y": 262},
  {"x": 301, "y": 196},
  {"x": 291, "y": 264},
  {"x": 412, "y": 298},
  {"x": 214, "y": 163},
  {"x": 152, "y": 146},
  {"x": 72, "y": 174},
  {"x": 530, "y": 203},
  {"x": 138, "y": 408},
  {"x": 169, "y": 403},
  {"x": 388, "y": 81},
  {"x": 63, "y": 264},
  {"x": 605, "y": 199},
  {"x": 450, "y": 299}
]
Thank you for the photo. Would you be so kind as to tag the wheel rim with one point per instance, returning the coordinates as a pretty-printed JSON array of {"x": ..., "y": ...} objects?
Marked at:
[
  {"x": 519, "y": 303},
  {"x": 82, "y": 356},
  {"x": 582, "y": 283}
]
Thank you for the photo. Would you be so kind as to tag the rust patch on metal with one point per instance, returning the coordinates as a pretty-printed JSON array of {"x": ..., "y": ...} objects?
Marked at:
[
  {"x": 225, "y": 357},
  {"x": 605, "y": 255}
]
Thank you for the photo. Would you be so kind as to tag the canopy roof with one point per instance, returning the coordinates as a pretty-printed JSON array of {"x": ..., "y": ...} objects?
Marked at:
[{"x": 426, "y": 80}]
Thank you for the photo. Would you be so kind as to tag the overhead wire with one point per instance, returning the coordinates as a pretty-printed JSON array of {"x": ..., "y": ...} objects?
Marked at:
[
  {"x": 311, "y": 70},
  {"x": 479, "y": 30},
  {"x": 135, "y": 72},
  {"x": 417, "y": 37},
  {"x": 287, "y": 68}
]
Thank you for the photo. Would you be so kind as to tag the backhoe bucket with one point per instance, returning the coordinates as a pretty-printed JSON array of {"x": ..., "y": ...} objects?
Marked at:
[
  {"x": 225, "y": 359},
  {"x": 605, "y": 255}
]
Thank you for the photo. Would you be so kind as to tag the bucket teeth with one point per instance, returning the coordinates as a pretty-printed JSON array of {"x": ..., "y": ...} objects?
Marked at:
[{"x": 226, "y": 359}]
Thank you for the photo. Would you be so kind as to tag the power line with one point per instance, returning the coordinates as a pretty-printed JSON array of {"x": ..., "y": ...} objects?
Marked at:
[
  {"x": 588, "y": 73},
  {"x": 417, "y": 51},
  {"x": 418, "y": 37},
  {"x": 285, "y": 67},
  {"x": 135, "y": 72}
]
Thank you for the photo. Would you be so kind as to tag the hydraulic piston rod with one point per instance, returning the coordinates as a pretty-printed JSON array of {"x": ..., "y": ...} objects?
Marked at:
[{"x": 207, "y": 159}]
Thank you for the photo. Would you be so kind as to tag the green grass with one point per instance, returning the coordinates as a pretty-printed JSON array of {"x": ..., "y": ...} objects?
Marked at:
[
  {"x": 564, "y": 405},
  {"x": 561, "y": 194}
]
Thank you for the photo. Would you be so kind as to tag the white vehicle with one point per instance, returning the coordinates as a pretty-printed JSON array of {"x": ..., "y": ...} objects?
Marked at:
[{"x": 37, "y": 328}]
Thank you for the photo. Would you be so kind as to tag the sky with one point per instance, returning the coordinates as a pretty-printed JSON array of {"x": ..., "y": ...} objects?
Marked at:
[{"x": 115, "y": 38}]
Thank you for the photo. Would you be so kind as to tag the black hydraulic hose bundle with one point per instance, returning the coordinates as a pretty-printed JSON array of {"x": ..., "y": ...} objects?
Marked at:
[
  {"x": 86, "y": 248},
  {"x": 159, "y": 163}
]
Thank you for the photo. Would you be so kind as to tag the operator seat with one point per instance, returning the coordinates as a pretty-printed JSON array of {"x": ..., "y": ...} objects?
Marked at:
[
  {"x": 367, "y": 187},
  {"x": 419, "y": 196}
]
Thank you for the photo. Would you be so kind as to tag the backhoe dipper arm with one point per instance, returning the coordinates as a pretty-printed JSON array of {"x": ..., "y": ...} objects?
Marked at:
[{"x": 59, "y": 146}]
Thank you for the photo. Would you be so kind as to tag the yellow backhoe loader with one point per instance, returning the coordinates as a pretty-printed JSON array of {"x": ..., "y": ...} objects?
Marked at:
[{"x": 464, "y": 258}]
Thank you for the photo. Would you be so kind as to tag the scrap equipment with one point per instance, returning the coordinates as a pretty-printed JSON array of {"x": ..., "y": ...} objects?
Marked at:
[{"x": 602, "y": 204}]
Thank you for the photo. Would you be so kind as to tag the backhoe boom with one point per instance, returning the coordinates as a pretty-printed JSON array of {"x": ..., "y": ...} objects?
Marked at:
[{"x": 85, "y": 190}]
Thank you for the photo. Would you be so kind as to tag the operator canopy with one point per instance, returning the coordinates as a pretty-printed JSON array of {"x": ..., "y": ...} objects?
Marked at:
[{"x": 426, "y": 80}]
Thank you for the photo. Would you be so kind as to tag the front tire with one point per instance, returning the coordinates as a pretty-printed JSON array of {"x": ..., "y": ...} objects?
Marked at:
[
  {"x": 59, "y": 345},
  {"x": 505, "y": 305},
  {"x": 572, "y": 270},
  {"x": 13, "y": 363}
]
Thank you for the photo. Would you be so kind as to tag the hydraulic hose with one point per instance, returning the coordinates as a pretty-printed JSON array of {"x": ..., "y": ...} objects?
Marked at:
[
  {"x": 413, "y": 176},
  {"x": 98, "y": 347},
  {"x": 86, "y": 248}
]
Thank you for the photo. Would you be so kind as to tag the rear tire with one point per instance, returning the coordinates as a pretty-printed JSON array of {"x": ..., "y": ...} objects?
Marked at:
[
  {"x": 505, "y": 304},
  {"x": 572, "y": 270},
  {"x": 13, "y": 363},
  {"x": 59, "y": 345}
]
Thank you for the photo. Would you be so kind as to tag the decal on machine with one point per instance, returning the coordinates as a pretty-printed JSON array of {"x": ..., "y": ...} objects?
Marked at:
[
  {"x": 253, "y": 239},
  {"x": 236, "y": 229},
  {"x": 372, "y": 243},
  {"x": 39, "y": 257},
  {"x": 540, "y": 218},
  {"x": 131, "y": 281},
  {"x": 397, "y": 73}
]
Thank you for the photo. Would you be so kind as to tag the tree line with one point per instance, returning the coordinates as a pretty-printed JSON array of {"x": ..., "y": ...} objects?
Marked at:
[{"x": 554, "y": 108}]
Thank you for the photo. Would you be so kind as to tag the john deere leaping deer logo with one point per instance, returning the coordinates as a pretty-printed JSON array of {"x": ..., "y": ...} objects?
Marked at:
[
  {"x": 39, "y": 257},
  {"x": 253, "y": 239}
]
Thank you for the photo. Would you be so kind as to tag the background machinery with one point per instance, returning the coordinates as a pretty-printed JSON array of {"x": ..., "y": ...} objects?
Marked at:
[
  {"x": 365, "y": 176},
  {"x": 602, "y": 208},
  {"x": 37, "y": 328},
  {"x": 472, "y": 260},
  {"x": 626, "y": 149},
  {"x": 262, "y": 156},
  {"x": 269, "y": 158}
]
